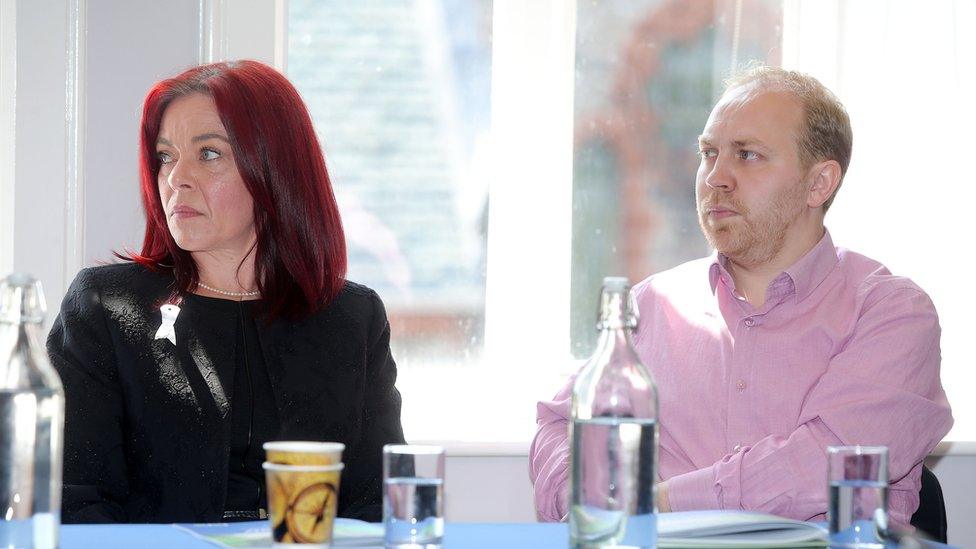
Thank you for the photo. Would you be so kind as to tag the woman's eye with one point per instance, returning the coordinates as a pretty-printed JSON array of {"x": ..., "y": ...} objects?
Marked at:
[
  {"x": 209, "y": 154},
  {"x": 164, "y": 158}
]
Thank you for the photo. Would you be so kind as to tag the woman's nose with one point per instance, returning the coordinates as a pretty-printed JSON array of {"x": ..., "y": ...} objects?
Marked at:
[{"x": 180, "y": 176}]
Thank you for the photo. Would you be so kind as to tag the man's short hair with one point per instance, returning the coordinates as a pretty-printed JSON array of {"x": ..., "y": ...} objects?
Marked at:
[{"x": 826, "y": 131}]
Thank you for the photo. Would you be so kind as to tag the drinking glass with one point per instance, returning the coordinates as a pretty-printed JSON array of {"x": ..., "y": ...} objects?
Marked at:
[
  {"x": 413, "y": 496},
  {"x": 858, "y": 493}
]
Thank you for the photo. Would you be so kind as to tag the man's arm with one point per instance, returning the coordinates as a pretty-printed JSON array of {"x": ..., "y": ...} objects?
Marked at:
[
  {"x": 882, "y": 389},
  {"x": 549, "y": 457}
]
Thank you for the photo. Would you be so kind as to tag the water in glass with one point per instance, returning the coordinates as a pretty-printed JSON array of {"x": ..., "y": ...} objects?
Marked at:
[
  {"x": 613, "y": 442},
  {"x": 31, "y": 422},
  {"x": 414, "y": 511},
  {"x": 856, "y": 508},
  {"x": 613, "y": 496},
  {"x": 29, "y": 506}
]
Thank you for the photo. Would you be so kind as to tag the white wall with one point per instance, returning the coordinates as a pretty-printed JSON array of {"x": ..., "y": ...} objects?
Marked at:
[
  {"x": 75, "y": 182},
  {"x": 957, "y": 475},
  {"x": 130, "y": 46},
  {"x": 38, "y": 232},
  {"x": 480, "y": 488}
]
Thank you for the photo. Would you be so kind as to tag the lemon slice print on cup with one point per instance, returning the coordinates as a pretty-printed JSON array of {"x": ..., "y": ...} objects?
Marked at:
[
  {"x": 308, "y": 517},
  {"x": 302, "y": 501}
]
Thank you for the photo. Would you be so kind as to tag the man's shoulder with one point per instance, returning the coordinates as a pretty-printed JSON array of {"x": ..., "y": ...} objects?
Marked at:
[
  {"x": 875, "y": 292},
  {"x": 871, "y": 278}
]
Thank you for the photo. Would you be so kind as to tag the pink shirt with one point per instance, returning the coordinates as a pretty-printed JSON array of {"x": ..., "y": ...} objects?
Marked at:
[{"x": 842, "y": 352}]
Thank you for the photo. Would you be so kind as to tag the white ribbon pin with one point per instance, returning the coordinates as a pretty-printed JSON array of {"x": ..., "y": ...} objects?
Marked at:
[{"x": 167, "y": 330}]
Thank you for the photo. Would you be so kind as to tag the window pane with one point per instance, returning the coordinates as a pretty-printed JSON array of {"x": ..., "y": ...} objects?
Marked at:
[
  {"x": 647, "y": 75},
  {"x": 399, "y": 93}
]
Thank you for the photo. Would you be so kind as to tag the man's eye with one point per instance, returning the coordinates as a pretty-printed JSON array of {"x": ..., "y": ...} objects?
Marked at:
[
  {"x": 748, "y": 155},
  {"x": 707, "y": 153},
  {"x": 164, "y": 158},
  {"x": 209, "y": 154}
]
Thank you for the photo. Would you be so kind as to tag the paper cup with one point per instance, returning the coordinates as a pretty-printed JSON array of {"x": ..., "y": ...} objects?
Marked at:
[
  {"x": 303, "y": 453},
  {"x": 302, "y": 503}
]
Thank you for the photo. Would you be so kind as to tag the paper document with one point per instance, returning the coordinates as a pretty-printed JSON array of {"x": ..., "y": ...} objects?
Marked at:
[
  {"x": 345, "y": 533},
  {"x": 687, "y": 530},
  {"x": 730, "y": 529}
]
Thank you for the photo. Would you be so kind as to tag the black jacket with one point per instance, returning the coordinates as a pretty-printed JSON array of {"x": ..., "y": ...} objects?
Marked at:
[{"x": 147, "y": 423}]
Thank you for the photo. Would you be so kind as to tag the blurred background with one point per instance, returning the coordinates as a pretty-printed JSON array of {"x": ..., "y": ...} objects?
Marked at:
[{"x": 401, "y": 95}]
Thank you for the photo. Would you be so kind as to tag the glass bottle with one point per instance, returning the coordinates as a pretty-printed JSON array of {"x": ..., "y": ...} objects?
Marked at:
[
  {"x": 613, "y": 439},
  {"x": 31, "y": 421}
]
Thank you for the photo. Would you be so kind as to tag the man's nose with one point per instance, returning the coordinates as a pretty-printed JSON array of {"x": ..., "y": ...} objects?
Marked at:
[{"x": 720, "y": 177}]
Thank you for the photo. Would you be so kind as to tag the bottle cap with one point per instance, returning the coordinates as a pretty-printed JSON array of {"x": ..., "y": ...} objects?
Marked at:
[
  {"x": 617, "y": 306},
  {"x": 21, "y": 300},
  {"x": 616, "y": 283}
]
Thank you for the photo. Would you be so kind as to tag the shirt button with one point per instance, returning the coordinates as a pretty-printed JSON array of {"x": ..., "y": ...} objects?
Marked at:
[
  {"x": 736, "y": 448},
  {"x": 740, "y": 385},
  {"x": 750, "y": 322}
]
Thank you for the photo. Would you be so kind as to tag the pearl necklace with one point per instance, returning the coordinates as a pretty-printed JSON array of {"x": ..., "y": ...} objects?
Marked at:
[{"x": 231, "y": 294}]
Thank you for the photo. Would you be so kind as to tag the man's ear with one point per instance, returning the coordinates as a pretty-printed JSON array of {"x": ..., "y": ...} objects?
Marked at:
[{"x": 824, "y": 179}]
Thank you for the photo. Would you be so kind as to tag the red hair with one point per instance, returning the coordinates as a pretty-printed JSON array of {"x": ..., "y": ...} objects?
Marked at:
[{"x": 300, "y": 257}]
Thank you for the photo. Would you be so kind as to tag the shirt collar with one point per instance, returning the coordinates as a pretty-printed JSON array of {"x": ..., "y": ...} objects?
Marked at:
[
  {"x": 716, "y": 269},
  {"x": 806, "y": 274},
  {"x": 811, "y": 269}
]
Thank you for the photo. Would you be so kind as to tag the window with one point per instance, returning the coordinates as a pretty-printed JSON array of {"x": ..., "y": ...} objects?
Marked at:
[
  {"x": 647, "y": 75},
  {"x": 494, "y": 162},
  {"x": 905, "y": 74},
  {"x": 491, "y": 306},
  {"x": 399, "y": 94}
]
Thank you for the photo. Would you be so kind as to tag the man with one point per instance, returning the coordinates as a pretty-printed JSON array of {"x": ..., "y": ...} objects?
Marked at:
[{"x": 780, "y": 344}]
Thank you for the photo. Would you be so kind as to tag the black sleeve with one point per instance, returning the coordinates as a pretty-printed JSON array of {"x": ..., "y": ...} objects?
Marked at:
[
  {"x": 381, "y": 425},
  {"x": 81, "y": 350}
]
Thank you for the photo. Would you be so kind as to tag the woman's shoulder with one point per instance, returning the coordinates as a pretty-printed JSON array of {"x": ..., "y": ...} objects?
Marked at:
[
  {"x": 358, "y": 300},
  {"x": 356, "y": 307},
  {"x": 121, "y": 278},
  {"x": 357, "y": 292},
  {"x": 122, "y": 294}
]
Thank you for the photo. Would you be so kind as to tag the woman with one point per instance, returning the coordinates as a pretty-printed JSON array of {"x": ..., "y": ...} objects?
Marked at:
[{"x": 233, "y": 326}]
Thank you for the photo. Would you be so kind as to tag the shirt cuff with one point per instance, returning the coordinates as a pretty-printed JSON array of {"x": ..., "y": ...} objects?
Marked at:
[{"x": 694, "y": 490}]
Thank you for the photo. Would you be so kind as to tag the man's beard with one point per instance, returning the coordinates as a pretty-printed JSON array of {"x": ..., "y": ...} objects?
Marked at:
[{"x": 752, "y": 238}]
